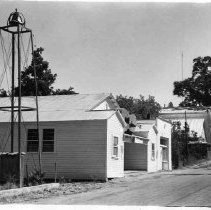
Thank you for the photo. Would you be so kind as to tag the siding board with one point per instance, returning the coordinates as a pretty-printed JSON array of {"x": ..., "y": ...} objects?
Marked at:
[
  {"x": 115, "y": 167},
  {"x": 80, "y": 149}
]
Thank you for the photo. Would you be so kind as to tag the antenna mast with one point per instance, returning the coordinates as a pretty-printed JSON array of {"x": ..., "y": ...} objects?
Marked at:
[{"x": 182, "y": 64}]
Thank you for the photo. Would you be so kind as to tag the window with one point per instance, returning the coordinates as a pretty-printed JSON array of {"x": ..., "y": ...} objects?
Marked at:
[
  {"x": 48, "y": 140},
  {"x": 32, "y": 140},
  {"x": 163, "y": 141},
  {"x": 115, "y": 146},
  {"x": 164, "y": 154},
  {"x": 153, "y": 151},
  {"x": 107, "y": 107}
]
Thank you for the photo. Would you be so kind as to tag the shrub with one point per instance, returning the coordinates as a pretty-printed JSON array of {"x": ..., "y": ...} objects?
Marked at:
[{"x": 35, "y": 177}]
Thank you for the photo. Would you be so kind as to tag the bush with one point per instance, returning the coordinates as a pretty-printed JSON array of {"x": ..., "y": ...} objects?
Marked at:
[
  {"x": 11, "y": 183},
  {"x": 35, "y": 177}
]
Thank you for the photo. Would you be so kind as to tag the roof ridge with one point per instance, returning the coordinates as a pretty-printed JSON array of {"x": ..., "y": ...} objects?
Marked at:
[{"x": 81, "y": 94}]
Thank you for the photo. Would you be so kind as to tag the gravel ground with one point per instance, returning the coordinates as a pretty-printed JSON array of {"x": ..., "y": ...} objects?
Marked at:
[
  {"x": 64, "y": 189},
  {"x": 74, "y": 188}
]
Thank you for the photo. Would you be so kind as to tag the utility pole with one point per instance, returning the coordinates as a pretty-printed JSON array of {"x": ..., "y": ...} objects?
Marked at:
[
  {"x": 186, "y": 135},
  {"x": 12, "y": 92},
  {"x": 19, "y": 106}
]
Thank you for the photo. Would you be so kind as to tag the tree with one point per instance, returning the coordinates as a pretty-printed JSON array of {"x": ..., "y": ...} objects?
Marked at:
[
  {"x": 45, "y": 78},
  {"x": 181, "y": 149},
  {"x": 180, "y": 138},
  {"x": 141, "y": 107},
  {"x": 126, "y": 102},
  {"x": 170, "y": 105},
  {"x": 3, "y": 93},
  {"x": 147, "y": 108},
  {"x": 196, "y": 90},
  {"x": 68, "y": 91}
]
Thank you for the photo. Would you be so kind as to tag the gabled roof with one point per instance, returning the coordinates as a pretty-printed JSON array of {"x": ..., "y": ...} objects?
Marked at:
[
  {"x": 61, "y": 108},
  {"x": 143, "y": 128},
  {"x": 165, "y": 120},
  {"x": 60, "y": 102},
  {"x": 112, "y": 102}
]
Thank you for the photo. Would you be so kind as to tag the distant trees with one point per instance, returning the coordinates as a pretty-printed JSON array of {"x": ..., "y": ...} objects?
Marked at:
[
  {"x": 68, "y": 91},
  {"x": 45, "y": 79},
  {"x": 170, "y": 105},
  {"x": 3, "y": 93},
  {"x": 181, "y": 149},
  {"x": 179, "y": 139},
  {"x": 196, "y": 89},
  {"x": 141, "y": 107}
]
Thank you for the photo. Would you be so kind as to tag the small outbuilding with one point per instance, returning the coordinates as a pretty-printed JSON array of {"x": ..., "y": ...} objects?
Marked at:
[
  {"x": 81, "y": 136},
  {"x": 148, "y": 147}
]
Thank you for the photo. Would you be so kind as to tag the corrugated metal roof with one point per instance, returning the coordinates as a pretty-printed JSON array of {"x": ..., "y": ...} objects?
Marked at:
[
  {"x": 194, "y": 125},
  {"x": 68, "y": 115},
  {"x": 180, "y": 113},
  {"x": 182, "y": 110},
  {"x": 195, "y": 118},
  {"x": 60, "y": 108},
  {"x": 60, "y": 102}
]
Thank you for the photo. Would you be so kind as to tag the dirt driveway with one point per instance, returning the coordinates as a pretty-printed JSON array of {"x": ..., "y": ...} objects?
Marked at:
[{"x": 187, "y": 187}]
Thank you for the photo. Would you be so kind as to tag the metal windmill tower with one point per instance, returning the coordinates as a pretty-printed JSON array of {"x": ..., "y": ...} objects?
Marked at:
[{"x": 16, "y": 28}]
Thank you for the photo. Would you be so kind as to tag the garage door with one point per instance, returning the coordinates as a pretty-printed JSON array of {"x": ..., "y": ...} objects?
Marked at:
[{"x": 135, "y": 157}]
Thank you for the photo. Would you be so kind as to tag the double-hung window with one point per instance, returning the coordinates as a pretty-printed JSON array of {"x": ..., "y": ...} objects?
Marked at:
[
  {"x": 153, "y": 151},
  {"x": 48, "y": 140},
  {"x": 115, "y": 146},
  {"x": 32, "y": 140}
]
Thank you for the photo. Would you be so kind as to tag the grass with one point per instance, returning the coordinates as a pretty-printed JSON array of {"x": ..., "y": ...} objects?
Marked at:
[{"x": 8, "y": 185}]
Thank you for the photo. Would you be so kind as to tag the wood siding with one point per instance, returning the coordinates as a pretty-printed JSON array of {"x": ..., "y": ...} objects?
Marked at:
[
  {"x": 115, "y": 166},
  {"x": 103, "y": 106},
  {"x": 135, "y": 156},
  {"x": 80, "y": 149},
  {"x": 164, "y": 130},
  {"x": 152, "y": 162}
]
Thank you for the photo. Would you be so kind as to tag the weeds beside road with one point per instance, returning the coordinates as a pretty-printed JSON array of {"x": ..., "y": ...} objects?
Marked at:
[{"x": 64, "y": 189}]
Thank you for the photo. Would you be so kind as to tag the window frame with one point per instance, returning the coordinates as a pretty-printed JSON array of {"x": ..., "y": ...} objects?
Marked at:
[
  {"x": 32, "y": 140},
  {"x": 115, "y": 147},
  {"x": 153, "y": 151},
  {"x": 48, "y": 140}
]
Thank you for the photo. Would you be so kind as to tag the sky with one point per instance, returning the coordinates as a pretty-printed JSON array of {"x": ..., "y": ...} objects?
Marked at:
[{"x": 118, "y": 48}]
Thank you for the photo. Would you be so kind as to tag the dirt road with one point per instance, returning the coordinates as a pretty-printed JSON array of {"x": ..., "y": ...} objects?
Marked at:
[{"x": 190, "y": 187}]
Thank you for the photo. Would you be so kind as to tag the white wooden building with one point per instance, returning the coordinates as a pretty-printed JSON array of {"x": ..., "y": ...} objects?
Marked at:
[
  {"x": 149, "y": 148},
  {"x": 81, "y": 136}
]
